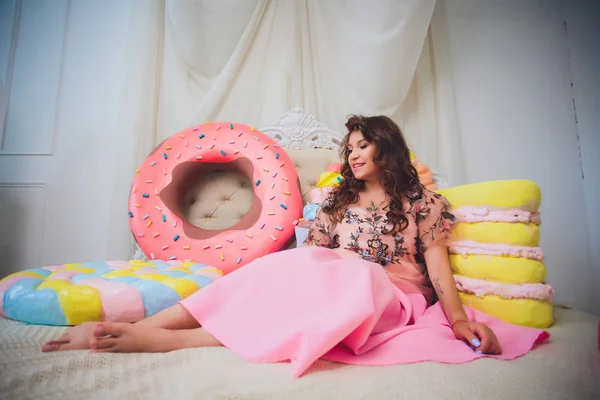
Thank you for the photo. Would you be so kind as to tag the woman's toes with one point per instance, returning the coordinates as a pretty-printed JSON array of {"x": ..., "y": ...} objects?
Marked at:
[
  {"x": 65, "y": 337},
  {"x": 52, "y": 345},
  {"x": 108, "y": 329},
  {"x": 55, "y": 345},
  {"x": 102, "y": 343},
  {"x": 99, "y": 330}
]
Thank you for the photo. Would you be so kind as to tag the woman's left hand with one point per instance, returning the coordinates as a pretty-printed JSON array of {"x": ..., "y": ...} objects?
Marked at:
[{"x": 478, "y": 335}]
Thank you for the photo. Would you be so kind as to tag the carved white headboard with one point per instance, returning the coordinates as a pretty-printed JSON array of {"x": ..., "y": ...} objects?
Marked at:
[{"x": 296, "y": 129}]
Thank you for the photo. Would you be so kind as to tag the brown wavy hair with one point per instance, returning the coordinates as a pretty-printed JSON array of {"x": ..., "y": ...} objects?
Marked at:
[{"x": 399, "y": 177}]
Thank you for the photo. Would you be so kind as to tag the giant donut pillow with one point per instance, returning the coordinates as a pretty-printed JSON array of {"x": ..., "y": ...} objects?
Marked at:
[
  {"x": 494, "y": 251},
  {"x": 117, "y": 291},
  {"x": 156, "y": 213}
]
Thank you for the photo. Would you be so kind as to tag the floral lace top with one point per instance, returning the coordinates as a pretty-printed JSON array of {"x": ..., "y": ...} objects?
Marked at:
[{"x": 402, "y": 255}]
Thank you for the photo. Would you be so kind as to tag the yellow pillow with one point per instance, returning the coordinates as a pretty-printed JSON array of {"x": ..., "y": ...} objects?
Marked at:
[
  {"x": 512, "y": 233},
  {"x": 525, "y": 312},
  {"x": 521, "y": 194},
  {"x": 500, "y": 269}
]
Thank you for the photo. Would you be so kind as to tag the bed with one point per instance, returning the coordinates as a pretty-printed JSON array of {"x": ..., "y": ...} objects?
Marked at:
[{"x": 568, "y": 367}]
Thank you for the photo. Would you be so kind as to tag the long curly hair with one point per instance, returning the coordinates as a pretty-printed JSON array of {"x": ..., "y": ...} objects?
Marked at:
[{"x": 399, "y": 177}]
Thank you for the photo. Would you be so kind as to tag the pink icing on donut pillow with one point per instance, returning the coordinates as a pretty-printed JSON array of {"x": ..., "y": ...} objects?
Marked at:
[{"x": 156, "y": 212}]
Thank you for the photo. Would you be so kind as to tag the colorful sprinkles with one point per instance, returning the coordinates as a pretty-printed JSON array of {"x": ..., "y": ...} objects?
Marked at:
[{"x": 262, "y": 155}]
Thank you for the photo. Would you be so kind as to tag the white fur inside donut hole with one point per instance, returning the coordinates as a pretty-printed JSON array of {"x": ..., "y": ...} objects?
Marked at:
[{"x": 213, "y": 197}]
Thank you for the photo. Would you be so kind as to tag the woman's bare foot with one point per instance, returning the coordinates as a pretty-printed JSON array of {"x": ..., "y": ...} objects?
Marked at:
[
  {"x": 75, "y": 338},
  {"x": 118, "y": 337}
]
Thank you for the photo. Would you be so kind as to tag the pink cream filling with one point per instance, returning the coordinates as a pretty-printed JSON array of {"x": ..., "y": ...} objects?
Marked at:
[
  {"x": 481, "y": 288},
  {"x": 485, "y": 214},
  {"x": 467, "y": 247}
]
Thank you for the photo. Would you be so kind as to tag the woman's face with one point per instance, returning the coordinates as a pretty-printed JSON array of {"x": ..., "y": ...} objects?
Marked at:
[{"x": 360, "y": 157}]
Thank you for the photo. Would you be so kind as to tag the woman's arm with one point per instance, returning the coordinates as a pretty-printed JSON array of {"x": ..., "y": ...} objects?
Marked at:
[
  {"x": 478, "y": 334},
  {"x": 438, "y": 267}
]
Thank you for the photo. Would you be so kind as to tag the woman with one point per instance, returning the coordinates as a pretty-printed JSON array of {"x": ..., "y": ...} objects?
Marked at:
[{"x": 359, "y": 292}]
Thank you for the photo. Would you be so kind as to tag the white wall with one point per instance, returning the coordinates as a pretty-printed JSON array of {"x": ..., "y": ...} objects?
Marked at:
[
  {"x": 583, "y": 33},
  {"x": 57, "y": 175},
  {"x": 512, "y": 81}
]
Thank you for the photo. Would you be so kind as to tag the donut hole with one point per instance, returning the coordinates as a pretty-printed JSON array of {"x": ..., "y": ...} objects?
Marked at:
[
  {"x": 218, "y": 200},
  {"x": 213, "y": 197}
]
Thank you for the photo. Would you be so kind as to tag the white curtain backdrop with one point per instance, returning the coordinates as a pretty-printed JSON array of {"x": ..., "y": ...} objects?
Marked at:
[{"x": 251, "y": 60}]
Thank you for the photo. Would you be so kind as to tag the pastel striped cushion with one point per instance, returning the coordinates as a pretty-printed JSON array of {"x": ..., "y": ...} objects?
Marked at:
[{"x": 123, "y": 291}]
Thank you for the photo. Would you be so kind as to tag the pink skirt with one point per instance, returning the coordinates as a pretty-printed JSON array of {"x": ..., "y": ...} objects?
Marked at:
[{"x": 304, "y": 304}]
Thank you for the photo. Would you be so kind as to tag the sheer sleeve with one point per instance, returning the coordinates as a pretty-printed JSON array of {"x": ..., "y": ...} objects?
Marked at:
[
  {"x": 434, "y": 220},
  {"x": 321, "y": 232}
]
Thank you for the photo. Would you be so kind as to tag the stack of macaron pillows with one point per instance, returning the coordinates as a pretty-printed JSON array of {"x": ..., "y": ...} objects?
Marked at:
[{"x": 494, "y": 253}]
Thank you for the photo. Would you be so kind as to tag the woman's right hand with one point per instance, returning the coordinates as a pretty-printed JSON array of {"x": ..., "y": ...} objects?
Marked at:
[{"x": 75, "y": 338}]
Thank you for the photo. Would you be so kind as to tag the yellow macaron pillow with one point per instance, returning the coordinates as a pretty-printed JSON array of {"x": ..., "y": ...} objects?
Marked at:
[
  {"x": 501, "y": 194},
  {"x": 524, "y": 312}
]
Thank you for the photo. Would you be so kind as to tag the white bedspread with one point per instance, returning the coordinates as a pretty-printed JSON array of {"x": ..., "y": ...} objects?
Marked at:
[{"x": 566, "y": 368}]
